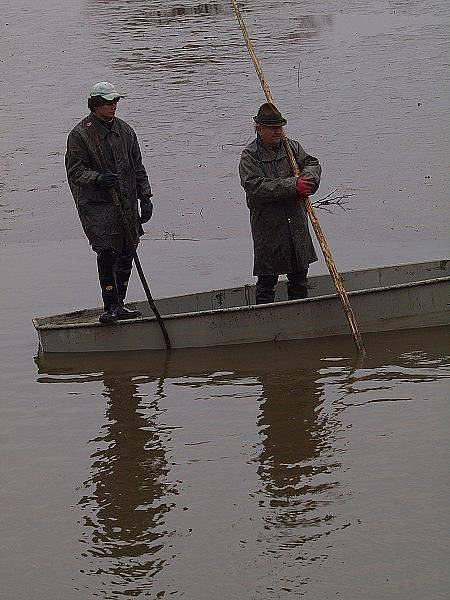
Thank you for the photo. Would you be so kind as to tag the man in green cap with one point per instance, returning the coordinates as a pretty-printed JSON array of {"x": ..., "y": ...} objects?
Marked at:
[
  {"x": 278, "y": 218},
  {"x": 102, "y": 155}
]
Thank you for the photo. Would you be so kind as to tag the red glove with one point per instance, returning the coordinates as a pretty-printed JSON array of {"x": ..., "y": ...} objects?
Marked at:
[{"x": 304, "y": 187}]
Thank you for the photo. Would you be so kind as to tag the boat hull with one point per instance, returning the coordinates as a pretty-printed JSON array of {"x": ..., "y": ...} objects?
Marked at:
[{"x": 400, "y": 306}]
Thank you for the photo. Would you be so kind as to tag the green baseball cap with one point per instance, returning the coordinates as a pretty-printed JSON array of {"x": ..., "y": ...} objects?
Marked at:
[{"x": 106, "y": 90}]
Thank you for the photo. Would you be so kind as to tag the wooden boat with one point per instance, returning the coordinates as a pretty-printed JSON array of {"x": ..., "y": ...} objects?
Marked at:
[{"x": 383, "y": 299}]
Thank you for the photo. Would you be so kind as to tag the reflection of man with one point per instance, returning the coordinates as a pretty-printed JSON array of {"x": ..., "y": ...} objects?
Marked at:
[
  {"x": 295, "y": 465},
  {"x": 103, "y": 154},
  {"x": 292, "y": 433},
  {"x": 281, "y": 239},
  {"x": 126, "y": 506}
]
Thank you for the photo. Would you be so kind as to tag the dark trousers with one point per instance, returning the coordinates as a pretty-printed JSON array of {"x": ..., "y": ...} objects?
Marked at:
[
  {"x": 296, "y": 287},
  {"x": 114, "y": 269}
]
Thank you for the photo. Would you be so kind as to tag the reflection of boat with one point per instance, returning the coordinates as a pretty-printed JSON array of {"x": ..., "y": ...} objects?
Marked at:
[{"x": 384, "y": 298}]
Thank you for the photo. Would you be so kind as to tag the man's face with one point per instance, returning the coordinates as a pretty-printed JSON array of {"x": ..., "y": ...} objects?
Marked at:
[
  {"x": 107, "y": 110},
  {"x": 270, "y": 135}
]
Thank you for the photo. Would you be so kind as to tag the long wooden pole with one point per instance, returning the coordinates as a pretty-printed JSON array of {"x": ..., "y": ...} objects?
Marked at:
[{"x": 296, "y": 171}]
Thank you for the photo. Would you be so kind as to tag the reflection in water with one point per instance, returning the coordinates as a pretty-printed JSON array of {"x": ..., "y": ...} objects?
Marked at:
[
  {"x": 266, "y": 430},
  {"x": 126, "y": 507},
  {"x": 169, "y": 14},
  {"x": 298, "y": 464},
  {"x": 166, "y": 14},
  {"x": 180, "y": 37},
  {"x": 307, "y": 27}
]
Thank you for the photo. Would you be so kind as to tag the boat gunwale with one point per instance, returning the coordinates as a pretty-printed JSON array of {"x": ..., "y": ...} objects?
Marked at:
[{"x": 235, "y": 309}]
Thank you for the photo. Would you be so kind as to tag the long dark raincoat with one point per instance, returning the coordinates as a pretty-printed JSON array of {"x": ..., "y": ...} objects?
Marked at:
[
  {"x": 94, "y": 148},
  {"x": 279, "y": 222}
]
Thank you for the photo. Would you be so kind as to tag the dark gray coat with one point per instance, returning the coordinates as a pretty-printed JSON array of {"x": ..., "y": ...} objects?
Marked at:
[
  {"x": 94, "y": 148},
  {"x": 279, "y": 222}
]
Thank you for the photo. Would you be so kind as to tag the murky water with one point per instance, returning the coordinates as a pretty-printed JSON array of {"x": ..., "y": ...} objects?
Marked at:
[{"x": 278, "y": 471}]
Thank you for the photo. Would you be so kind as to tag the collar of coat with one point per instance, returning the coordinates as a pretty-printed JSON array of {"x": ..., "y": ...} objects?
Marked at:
[
  {"x": 100, "y": 126},
  {"x": 266, "y": 153}
]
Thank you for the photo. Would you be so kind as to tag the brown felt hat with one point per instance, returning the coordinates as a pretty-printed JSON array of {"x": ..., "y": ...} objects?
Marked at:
[{"x": 269, "y": 115}]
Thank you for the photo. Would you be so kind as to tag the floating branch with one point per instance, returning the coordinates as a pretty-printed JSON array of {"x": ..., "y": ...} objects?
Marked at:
[{"x": 330, "y": 200}]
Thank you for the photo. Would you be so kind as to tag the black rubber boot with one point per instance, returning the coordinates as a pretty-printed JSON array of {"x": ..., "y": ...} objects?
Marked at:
[
  {"x": 123, "y": 271},
  {"x": 105, "y": 263},
  {"x": 127, "y": 313},
  {"x": 122, "y": 278},
  {"x": 297, "y": 285},
  {"x": 265, "y": 289},
  {"x": 111, "y": 315}
]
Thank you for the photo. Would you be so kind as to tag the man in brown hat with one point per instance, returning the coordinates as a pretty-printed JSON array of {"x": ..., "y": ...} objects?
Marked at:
[{"x": 281, "y": 239}]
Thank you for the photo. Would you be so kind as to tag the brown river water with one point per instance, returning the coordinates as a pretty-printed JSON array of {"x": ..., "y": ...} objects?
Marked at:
[{"x": 271, "y": 472}]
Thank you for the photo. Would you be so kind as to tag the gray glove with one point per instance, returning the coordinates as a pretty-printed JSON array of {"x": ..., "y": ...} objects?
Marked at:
[{"x": 146, "y": 210}]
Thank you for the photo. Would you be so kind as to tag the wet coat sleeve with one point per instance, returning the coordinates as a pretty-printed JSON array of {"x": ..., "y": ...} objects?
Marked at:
[
  {"x": 261, "y": 189},
  {"x": 77, "y": 160},
  {"x": 142, "y": 183}
]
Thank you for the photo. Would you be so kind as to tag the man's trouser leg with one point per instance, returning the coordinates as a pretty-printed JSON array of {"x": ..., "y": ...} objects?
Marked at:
[
  {"x": 106, "y": 260},
  {"x": 297, "y": 286},
  {"x": 265, "y": 288}
]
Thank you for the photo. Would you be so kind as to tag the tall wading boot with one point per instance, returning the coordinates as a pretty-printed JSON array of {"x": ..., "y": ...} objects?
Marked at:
[
  {"x": 105, "y": 264},
  {"x": 110, "y": 304},
  {"x": 122, "y": 275},
  {"x": 297, "y": 285},
  {"x": 265, "y": 289}
]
